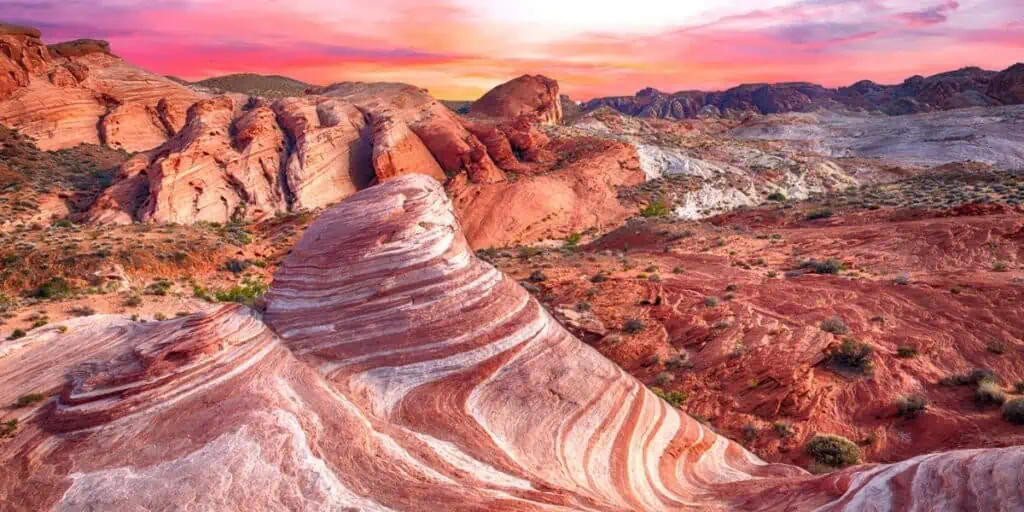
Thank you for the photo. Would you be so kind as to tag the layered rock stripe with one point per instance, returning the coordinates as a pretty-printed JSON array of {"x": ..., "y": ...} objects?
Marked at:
[{"x": 393, "y": 370}]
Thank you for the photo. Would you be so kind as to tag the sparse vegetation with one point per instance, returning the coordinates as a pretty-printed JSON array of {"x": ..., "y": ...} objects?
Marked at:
[
  {"x": 974, "y": 377},
  {"x": 8, "y": 428},
  {"x": 674, "y": 398},
  {"x": 658, "y": 207},
  {"x": 29, "y": 399},
  {"x": 247, "y": 292},
  {"x": 996, "y": 347},
  {"x": 834, "y": 325},
  {"x": 132, "y": 301},
  {"x": 1013, "y": 411},
  {"x": 1000, "y": 266},
  {"x": 711, "y": 302},
  {"x": 989, "y": 393},
  {"x": 16, "y": 334},
  {"x": 663, "y": 378},
  {"x": 783, "y": 429},
  {"x": 776, "y": 196},
  {"x": 634, "y": 326},
  {"x": 911, "y": 406},
  {"x": 819, "y": 214},
  {"x": 573, "y": 240},
  {"x": 538, "y": 277},
  {"x": 829, "y": 266},
  {"x": 833, "y": 451},
  {"x": 56, "y": 287},
  {"x": 852, "y": 356},
  {"x": 906, "y": 351}
]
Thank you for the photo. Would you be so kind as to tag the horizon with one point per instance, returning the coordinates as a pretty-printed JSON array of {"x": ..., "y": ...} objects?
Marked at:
[{"x": 459, "y": 49}]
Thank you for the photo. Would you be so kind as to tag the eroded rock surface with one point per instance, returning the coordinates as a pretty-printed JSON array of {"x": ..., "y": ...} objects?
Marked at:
[
  {"x": 535, "y": 96},
  {"x": 396, "y": 371}
]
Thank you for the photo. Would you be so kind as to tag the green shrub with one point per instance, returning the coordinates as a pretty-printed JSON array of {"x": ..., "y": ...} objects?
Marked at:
[
  {"x": 833, "y": 451},
  {"x": 783, "y": 429},
  {"x": 16, "y": 334},
  {"x": 573, "y": 240},
  {"x": 538, "y": 277},
  {"x": 29, "y": 399},
  {"x": 819, "y": 214},
  {"x": 1013, "y": 411},
  {"x": 159, "y": 317},
  {"x": 663, "y": 378},
  {"x": 132, "y": 301},
  {"x": 54, "y": 288},
  {"x": 674, "y": 398},
  {"x": 989, "y": 393},
  {"x": 1000, "y": 266},
  {"x": 634, "y": 326},
  {"x": 906, "y": 351},
  {"x": 776, "y": 196},
  {"x": 834, "y": 325},
  {"x": 975, "y": 376},
  {"x": 853, "y": 356},
  {"x": 237, "y": 266},
  {"x": 829, "y": 266},
  {"x": 911, "y": 406},
  {"x": 996, "y": 347},
  {"x": 656, "y": 208},
  {"x": 599, "y": 277},
  {"x": 8, "y": 428},
  {"x": 6, "y": 303},
  {"x": 160, "y": 287},
  {"x": 711, "y": 301},
  {"x": 248, "y": 292}
]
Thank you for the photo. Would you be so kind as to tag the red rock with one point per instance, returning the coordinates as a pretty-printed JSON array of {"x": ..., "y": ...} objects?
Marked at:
[
  {"x": 62, "y": 95},
  {"x": 396, "y": 371},
  {"x": 531, "y": 95},
  {"x": 398, "y": 151}
]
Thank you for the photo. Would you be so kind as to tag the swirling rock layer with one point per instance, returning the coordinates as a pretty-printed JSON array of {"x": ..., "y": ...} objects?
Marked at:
[{"x": 405, "y": 374}]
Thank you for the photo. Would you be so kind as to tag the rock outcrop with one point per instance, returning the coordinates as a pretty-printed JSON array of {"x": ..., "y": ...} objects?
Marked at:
[
  {"x": 78, "y": 92},
  {"x": 535, "y": 96},
  {"x": 967, "y": 87},
  {"x": 1008, "y": 86},
  {"x": 396, "y": 371}
]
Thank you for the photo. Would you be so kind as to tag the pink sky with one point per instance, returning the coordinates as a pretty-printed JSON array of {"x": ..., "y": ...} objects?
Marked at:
[{"x": 460, "y": 48}]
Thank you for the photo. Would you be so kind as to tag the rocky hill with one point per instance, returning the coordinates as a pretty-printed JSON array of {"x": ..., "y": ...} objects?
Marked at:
[
  {"x": 967, "y": 87},
  {"x": 394, "y": 370},
  {"x": 251, "y": 84},
  {"x": 78, "y": 92}
]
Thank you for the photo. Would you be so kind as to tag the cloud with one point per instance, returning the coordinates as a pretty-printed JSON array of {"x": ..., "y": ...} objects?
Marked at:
[{"x": 459, "y": 48}]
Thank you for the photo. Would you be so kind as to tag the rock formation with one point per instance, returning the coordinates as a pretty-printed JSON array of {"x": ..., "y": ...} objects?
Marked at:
[
  {"x": 396, "y": 371},
  {"x": 1008, "y": 86},
  {"x": 531, "y": 95},
  {"x": 78, "y": 92},
  {"x": 967, "y": 87}
]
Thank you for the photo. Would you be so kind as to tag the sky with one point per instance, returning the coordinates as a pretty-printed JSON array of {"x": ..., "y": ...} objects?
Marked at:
[{"x": 459, "y": 49}]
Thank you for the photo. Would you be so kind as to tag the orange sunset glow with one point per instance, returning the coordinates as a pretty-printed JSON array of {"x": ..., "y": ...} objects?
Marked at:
[{"x": 460, "y": 48}]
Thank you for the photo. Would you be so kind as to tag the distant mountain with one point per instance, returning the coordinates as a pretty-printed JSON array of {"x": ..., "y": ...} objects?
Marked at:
[
  {"x": 966, "y": 87},
  {"x": 270, "y": 86}
]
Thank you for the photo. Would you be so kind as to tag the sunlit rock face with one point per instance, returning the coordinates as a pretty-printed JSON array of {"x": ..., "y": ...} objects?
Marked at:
[{"x": 393, "y": 370}]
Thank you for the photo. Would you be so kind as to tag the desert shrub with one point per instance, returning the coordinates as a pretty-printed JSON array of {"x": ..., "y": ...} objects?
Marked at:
[
  {"x": 538, "y": 277},
  {"x": 1019, "y": 387},
  {"x": 8, "y": 428},
  {"x": 829, "y": 266},
  {"x": 247, "y": 292},
  {"x": 132, "y": 301},
  {"x": 989, "y": 393},
  {"x": 975, "y": 376},
  {"x": 1000, "y": 266},
  {"x": 711, "y": 301},
  {"x": 906, "y": 351},
  {"x": 656, "y": 208},
  {"x": 583, "y": 307},
  {"x": 159, "y": 317},
  {"x": 599, "y": 277},
  {"x": 528, "y": 252},
  {"x": 750, "y": 432},
  {"x": 853, "y": 356},
  {"x": 680, "y": 361},
  {"x": 674, "y": 398},
  {"x": 820, "y": 214},
  {"x": 29, "y": 399},
  {"x": 911, "y": 406},
  {"x": 54, "y": 288},
  {"x": 573, "y": 240},
  {"x": 833, "y": 451},
  {"x": 663, "y": 378},
  {"x": 159, "y": 287},
  {"x": 16, "y": 334},
  {"x": 1013, "y": 411},
  {"x": 996, "y": 347},
  {"x": 776, "y": 196},
  {"x": 783, "y": 429},
  {"x": 834, "y": 325},
  {"x": 902, "y": 280},
  {"x": 83, "y": 311},
  {"x": 634, "y": 326},
  {"x": 7, "y": 303},
  {"x": 237, "y": 266},
  {"x": 678, "y": 270},
  {"x": 654, "y": 278}
]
